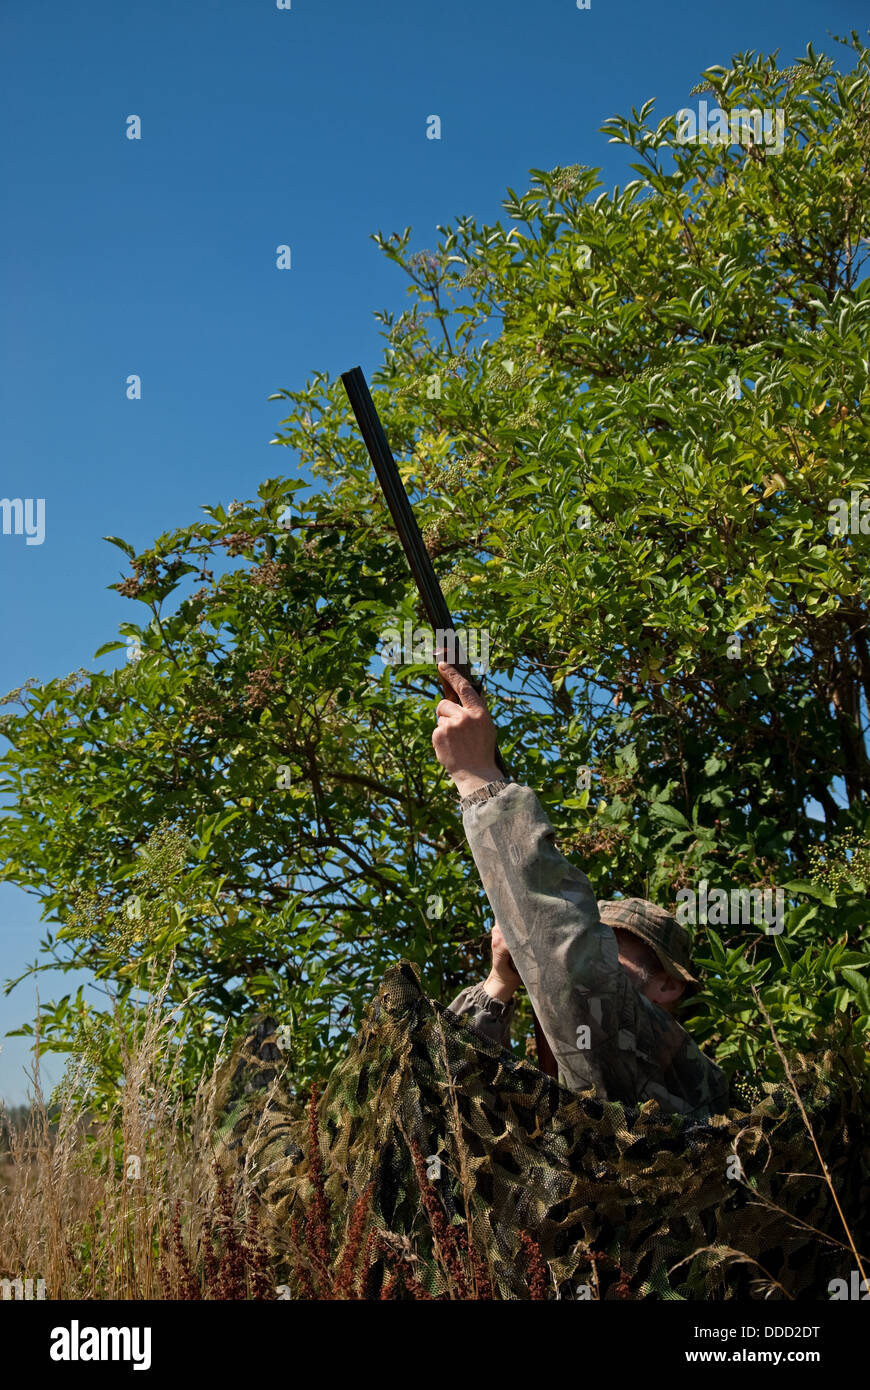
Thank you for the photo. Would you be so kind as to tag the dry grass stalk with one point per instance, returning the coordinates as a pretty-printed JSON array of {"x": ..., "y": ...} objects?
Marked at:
[
  {"x": 110, "y": 1207},
  {"x": 822, "y": 1164}
]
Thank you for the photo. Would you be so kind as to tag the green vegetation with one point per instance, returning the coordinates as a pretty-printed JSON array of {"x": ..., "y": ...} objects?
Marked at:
[{"x": 622, "y": 418}]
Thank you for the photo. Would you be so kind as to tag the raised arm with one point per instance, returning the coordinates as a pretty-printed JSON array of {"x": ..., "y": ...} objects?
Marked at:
[
  {"x": 604, "y": 1033},
  {"x": 566, "y": 957}
]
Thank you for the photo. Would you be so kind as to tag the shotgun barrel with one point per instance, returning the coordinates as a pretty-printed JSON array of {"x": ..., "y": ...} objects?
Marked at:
[
  {"x": 421, "y": 568},
  {"x": 405, "y": 522}
]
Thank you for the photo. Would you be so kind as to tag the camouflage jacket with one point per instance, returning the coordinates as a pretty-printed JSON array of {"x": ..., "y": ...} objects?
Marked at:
[{"x": 605, "y": 1035}]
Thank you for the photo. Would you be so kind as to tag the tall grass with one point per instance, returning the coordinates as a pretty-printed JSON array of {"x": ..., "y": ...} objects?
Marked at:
[
  {"x": 131, "y": 1204},
  {"x": 128, "y": 1205}
]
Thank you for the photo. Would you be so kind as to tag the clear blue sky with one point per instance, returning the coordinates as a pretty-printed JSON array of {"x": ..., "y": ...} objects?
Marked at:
[{"x": 260, "y": 126}]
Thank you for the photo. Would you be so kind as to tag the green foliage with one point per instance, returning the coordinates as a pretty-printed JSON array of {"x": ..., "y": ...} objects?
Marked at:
[{"x": 647, "y": 546}]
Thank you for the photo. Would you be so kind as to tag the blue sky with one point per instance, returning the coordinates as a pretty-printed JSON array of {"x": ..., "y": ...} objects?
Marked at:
[{"x": 260, "y": 127}]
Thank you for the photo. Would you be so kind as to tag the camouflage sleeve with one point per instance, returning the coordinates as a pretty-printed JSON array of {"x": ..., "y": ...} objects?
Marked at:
[
  {"x": 490, "y": 1017},
  {"x": 604, "y": 1034}
]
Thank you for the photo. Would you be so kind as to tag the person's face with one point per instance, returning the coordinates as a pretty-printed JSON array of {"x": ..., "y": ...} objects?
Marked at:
[{"x": 646, "y": 973}]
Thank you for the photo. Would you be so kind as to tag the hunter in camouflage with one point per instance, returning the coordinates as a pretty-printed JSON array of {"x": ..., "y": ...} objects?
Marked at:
[
  {"x": 622, "y": 1202},
  {"x": 603, "y": 978}
]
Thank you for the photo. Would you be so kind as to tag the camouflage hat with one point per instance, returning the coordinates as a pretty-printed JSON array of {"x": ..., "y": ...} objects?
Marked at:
[{"x": 664, "y": 935}]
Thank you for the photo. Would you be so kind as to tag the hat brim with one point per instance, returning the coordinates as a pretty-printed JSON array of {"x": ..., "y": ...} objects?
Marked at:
[{"x": 679, "y": 972}]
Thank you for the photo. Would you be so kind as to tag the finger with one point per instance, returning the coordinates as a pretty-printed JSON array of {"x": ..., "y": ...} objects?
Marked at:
[
  {"x": 447, "y": 709},
  {"x": 468, "y": 696},
  {"x": 446, "y": 687}
]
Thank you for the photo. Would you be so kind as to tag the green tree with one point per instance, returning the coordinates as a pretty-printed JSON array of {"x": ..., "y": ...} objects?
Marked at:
[{"x": 625, "y": 419}]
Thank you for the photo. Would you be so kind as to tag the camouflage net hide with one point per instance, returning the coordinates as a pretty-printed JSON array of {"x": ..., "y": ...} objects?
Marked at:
[{"x": 622, "y": 1202}]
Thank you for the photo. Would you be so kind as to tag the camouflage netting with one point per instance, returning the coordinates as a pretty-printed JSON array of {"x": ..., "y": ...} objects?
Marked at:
[{"x": 627, "y": 1203}]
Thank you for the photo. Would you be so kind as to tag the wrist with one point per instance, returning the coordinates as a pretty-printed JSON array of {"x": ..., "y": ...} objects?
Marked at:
[
  {"x": 466, "y": 782},
  {"x": 497, "y": 988}
]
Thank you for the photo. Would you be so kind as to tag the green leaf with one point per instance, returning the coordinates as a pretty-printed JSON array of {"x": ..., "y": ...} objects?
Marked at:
[
  {"x": 670, "y": 814},
  {"x": 812, "y": 890},
  {"x": 122, "y": 545},
  {"x": 782, "y": 951}
]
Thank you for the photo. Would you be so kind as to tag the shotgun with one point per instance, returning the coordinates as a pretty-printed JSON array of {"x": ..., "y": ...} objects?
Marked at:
[{"x": 420, "y": 565}]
